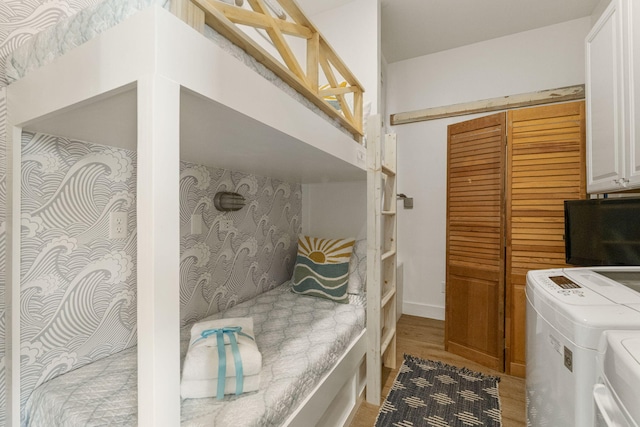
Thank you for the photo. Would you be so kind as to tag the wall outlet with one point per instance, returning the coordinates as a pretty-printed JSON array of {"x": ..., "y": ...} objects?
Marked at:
[
  {"x": 226, "y": 225},
  {"x": 118, "y": 225},
  {"x": 196, "y": 224}
]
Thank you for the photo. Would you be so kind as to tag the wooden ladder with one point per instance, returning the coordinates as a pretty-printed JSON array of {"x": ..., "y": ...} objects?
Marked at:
[{"x": 381, "y": 256}]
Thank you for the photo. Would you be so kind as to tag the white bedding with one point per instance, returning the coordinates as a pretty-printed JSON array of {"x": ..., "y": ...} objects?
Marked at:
[
  {"x": 69, "y": 33},
  {"x": 300, "y": 339},
  {"x": 200, "y": 369}
]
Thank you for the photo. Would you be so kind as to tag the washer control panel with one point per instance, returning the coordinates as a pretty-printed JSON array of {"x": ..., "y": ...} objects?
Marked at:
[
  {"x": 564, "y": 282},
  {"x": 582, "y": 286},
  {"x": 561, "y": 286}
]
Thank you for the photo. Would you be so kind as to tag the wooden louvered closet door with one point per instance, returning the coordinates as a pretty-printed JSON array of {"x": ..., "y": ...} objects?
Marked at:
[
  {"x": 474, "y": 324},
  {"x": 546, "y": 166}
]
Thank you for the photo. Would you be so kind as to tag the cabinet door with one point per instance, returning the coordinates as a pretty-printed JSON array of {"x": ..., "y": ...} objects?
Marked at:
[
  {"x": 474, "y": 322},
  {"x": 633, "y": 53},
  {"x": 545, "y": 167},
  {"x": 605, "y": 100}
]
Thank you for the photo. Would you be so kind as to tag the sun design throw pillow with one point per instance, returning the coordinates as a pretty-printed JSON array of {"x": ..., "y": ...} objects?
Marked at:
[{"x": 322, "y": 268}]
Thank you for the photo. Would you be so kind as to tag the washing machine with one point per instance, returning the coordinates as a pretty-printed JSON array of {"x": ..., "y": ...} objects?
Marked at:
[
  {"x": 568, "y": 310},
  {"x": 616, "y": 394}
]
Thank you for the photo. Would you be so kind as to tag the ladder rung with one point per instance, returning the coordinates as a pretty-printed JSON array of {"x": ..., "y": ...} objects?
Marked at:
[
  {"x": 387, "y": 297},
  {"x": 388, "y": 212},
  {"x": 388, "y": 254},
  {"x": 386, "y": 339},
  {"x": 388, "y": 171}
]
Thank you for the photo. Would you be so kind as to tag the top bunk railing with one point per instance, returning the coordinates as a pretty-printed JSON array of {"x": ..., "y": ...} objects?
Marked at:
[{"x": 268, "y": 29}]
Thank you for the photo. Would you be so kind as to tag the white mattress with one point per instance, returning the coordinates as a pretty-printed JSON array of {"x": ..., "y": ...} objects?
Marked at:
[
  {"x": 300, "y": 339},
  {"x": 55, "y": 41}
]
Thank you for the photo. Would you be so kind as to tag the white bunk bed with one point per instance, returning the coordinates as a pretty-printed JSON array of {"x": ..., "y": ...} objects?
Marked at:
[
  {"x": 173, "y": 94},
  {"x": 286, "y": 325}
]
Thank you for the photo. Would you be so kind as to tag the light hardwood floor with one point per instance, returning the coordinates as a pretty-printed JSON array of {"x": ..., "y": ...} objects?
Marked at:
[{"x": 425, "y": 338}]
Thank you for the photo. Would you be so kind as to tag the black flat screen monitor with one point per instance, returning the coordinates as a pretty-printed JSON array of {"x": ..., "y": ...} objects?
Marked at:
[{"x": 602, "y": 232}]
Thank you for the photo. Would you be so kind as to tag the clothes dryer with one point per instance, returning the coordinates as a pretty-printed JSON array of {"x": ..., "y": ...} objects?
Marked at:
[
  {"x": 616, "y": 395},
  {"x": 568, "y": 310}
]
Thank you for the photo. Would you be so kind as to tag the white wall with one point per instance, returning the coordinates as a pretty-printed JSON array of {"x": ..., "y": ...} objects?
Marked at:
[
  {"x": 544, "y": 58},
  {"x": 353, "y": 30},
  {"x": 335, "y": 210}
]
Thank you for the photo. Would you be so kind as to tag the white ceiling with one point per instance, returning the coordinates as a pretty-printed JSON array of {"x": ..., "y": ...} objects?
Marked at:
[{"x": 412, "y": 28}]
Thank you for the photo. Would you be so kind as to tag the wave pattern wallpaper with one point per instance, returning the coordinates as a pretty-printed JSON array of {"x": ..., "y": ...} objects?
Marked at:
[
  {"x": 78, "y": 285},
  {"x": 220, "y": 269},
  {"x": 20, "y": 20}
]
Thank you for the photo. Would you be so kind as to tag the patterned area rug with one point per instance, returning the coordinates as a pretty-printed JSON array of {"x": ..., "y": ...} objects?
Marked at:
[{"x": 433, "y": 394}]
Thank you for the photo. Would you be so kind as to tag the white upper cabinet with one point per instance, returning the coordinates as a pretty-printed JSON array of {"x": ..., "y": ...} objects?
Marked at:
[
  {"x": 605, "y": 123},
  {"x": 633, "y": 53},
  {"x": 613, "y": 92}
]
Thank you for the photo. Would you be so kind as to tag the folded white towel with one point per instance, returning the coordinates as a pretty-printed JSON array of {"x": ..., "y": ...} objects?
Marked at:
[
  {"x": 196, "y": 389},
  {"x": 201, "y": 361}
]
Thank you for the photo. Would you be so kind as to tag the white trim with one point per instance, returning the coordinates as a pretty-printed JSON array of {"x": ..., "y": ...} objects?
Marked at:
[
  {"x": 423, "y": 310},
  {"x": 12, "y": 280},
  {"x": 158, "y": 266},
  {"x": 345, "y": 373}
]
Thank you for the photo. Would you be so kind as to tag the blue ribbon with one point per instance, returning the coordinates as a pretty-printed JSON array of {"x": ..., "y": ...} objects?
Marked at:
[{"x": 222, "y": 356}]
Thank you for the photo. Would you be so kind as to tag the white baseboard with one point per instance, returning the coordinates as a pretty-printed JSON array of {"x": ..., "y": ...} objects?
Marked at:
[{"x": 423, "y": 310}]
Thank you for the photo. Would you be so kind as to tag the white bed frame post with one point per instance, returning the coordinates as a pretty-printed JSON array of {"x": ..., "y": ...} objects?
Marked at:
[
  {"x": 381, "y": 256},
  {"x": 158, "y": 252},
  {"x": 12, "y": 273},
  {"x": 374, "y": 202}
]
